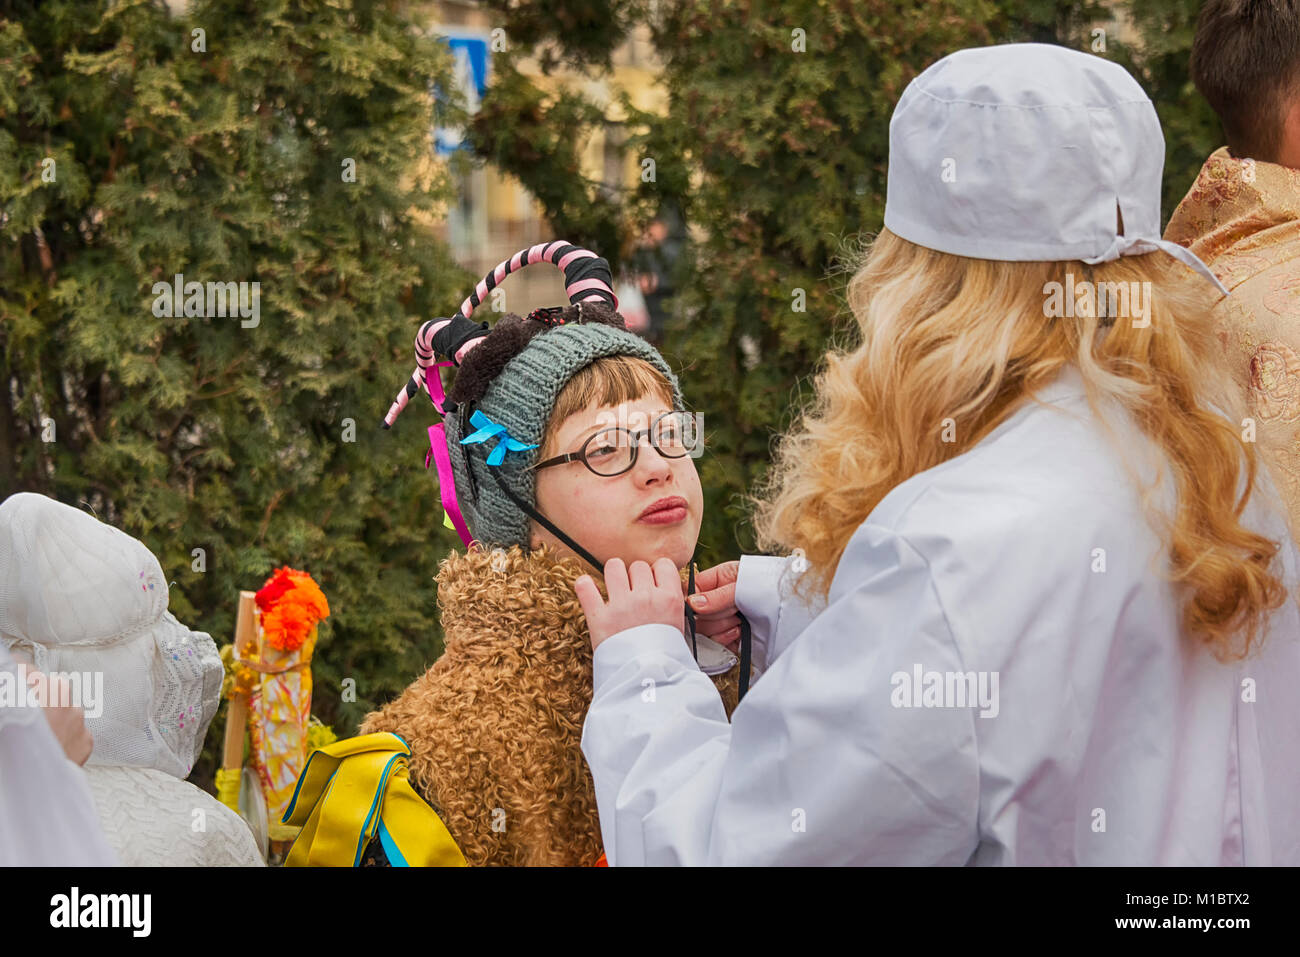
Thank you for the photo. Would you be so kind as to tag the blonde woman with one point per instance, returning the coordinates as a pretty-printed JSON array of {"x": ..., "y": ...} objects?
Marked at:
[{"x": 1038, "y": 607}]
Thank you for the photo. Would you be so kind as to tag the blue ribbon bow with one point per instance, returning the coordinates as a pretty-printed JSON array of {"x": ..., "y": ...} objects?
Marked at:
[{"x": 486, "y": 430}]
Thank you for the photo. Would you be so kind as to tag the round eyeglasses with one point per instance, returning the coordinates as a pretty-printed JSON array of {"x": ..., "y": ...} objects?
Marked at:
[{"x": 613, "y": 451}]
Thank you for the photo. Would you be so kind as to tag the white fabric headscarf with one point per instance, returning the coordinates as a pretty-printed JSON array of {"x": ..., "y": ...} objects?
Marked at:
[
  {"x": 1025, "y": 152},
  {"x": 77, "y": 595}
]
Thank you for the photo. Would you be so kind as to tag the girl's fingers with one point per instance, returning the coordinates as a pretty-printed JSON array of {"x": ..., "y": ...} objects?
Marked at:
[
  {"x": 666, "y": 574},
  {"x": 616, "y": 579},
  {"x": 588, "y": 596},
  {"x": 643, "y": 579}
]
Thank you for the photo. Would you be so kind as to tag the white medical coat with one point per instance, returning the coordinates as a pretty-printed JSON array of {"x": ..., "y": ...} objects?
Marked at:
[{"x": 1112, "y": 738}]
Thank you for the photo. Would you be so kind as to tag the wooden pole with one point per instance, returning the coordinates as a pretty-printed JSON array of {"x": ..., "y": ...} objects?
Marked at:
[{"x": 237, "y": 717}]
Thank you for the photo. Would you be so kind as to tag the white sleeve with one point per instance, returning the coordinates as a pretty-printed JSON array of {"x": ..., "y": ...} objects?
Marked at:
[
  {"x": 47, "y": 813},
  {"x": 759, "y": 600},
  {"x": 818, "y": 765},
  {"x": 765, "y": 596}
]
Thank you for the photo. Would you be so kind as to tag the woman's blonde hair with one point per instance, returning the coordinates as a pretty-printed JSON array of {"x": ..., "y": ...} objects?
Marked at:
[{"x": 946, "y": 337}]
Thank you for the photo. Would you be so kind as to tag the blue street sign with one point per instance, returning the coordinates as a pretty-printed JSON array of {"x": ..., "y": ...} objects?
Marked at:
[{"x": 470, "y": 75}]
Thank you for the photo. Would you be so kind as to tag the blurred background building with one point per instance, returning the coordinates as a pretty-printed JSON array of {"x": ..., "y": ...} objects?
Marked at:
[{"x": 496, "y": 216}]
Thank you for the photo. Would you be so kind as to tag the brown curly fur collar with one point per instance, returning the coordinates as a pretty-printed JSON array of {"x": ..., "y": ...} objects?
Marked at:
[{"x": 495, "y": 725}]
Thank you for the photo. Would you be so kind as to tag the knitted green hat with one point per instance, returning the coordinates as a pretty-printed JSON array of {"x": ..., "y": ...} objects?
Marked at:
[{"x": 526, "y": 363}]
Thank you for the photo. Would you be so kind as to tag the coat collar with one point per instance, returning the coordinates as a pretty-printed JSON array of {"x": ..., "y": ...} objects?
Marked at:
[
  {"x": 487, "y": 594},
  {"x": 1239, "y": 206},
  {"x": 1066, "y": 389}
]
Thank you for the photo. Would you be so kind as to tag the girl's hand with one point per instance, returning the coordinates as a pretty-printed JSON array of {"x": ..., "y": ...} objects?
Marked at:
[
  {"x": 715, "y": 604},
  {"x": 640, "y": 595}
]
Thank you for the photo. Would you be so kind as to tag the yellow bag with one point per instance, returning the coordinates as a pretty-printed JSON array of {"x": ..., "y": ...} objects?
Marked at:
[{"x": 354, "y": 789}]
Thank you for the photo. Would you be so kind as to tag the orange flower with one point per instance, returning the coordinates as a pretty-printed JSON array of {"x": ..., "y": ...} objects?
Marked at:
[{"x": 292, "y": 604}]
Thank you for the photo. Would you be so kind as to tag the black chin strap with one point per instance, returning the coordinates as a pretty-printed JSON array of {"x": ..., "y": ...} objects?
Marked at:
[
  {"x": 546, "y": 523},
  {"x": 690, "y": 612},
  {"x": 590, "y": 559}
]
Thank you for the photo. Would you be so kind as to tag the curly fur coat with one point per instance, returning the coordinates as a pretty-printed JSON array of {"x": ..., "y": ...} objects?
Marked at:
[{"x": 495, "y": 725}]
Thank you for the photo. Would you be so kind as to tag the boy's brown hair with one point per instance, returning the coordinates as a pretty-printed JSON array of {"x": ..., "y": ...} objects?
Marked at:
[{"x": 1246, "y": 62}]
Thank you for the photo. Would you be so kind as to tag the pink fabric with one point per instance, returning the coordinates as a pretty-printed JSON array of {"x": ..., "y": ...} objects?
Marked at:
[
  {"x": 542, "y": 252},
  {"x": 446, "y": 480},
  {"x": 433, "y": 382},
  {"x": 563, "y": 264},
  {"x": 425, "y": 345},
  {"x": 438, "y": 452}
]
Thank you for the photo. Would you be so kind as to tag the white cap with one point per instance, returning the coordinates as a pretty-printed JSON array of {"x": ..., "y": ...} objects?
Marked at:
[{"x": 1023, "y": 152}]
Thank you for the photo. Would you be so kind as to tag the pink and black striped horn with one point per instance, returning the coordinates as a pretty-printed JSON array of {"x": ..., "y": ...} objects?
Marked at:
[{"x": 586, "y": 276}]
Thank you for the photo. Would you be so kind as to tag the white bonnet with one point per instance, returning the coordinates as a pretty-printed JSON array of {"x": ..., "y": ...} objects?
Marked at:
[{"x": 82, "y": 596}]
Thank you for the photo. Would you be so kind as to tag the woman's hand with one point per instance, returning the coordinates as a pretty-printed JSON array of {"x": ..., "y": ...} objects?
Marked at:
[
  {"x": 715, "y": 604},
  {"x": 640, "y": 595}
]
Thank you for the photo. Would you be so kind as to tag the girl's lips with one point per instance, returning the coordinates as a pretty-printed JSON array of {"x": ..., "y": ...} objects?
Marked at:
[{"x": 665, "y": 516}]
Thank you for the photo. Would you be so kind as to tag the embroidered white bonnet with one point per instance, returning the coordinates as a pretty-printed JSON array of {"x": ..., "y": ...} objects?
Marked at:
[{"x": 81, "y": 596}]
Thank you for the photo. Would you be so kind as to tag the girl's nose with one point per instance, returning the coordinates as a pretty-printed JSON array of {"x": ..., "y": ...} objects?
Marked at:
[{"x": 650, "y": 465}]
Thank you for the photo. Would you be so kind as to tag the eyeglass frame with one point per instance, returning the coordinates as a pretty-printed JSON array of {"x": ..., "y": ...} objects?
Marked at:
[{"x": 581, "y": 454}]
